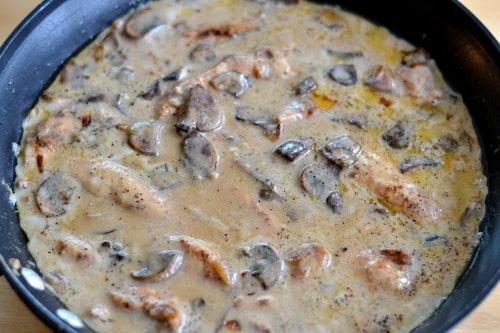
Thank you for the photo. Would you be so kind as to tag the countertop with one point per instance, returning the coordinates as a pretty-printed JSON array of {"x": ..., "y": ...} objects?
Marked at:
[{"x": 16, "y": 317}]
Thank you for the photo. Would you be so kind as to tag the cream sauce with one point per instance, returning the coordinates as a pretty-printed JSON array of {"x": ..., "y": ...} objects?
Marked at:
[{"x": 250, "y": 166}]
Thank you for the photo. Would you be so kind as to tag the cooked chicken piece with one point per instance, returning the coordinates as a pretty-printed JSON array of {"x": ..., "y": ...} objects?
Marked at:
[
  {"x": 259, "y": 65},
  {"x": 297, "y": 110},
  {"x": 50, "y": 135},
  {"x": 100, "y": 312},
  {"x": 308, "y": 259},
  {"x": 225, "y": 30},
  {"x": 396, "y": 190},
  {"x": 381, "y": 79},
  {"x": 387, "y": 269},
  {"x": 419, "y": 83},
  {"x": 214, "y": 263},
  {"x": 265, "y": 215},
  {"x": 257, "y": 314},
  {"x": 77, "y": 248},
  {"x": 108, "y": 179},
  {"x": 166, "y": 309}
]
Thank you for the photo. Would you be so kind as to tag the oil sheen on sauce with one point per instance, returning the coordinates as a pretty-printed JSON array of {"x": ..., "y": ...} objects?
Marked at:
[{"x": 254, "y": 166}]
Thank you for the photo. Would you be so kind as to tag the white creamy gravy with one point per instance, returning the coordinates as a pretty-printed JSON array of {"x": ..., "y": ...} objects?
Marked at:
[{"x": 250, "y": 166}]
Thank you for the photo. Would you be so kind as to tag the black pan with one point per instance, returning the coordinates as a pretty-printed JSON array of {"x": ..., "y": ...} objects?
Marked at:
[{"x": 466, "y": 53}]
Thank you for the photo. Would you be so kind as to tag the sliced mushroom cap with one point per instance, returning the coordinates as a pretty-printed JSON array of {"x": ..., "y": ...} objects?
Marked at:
[
  {"x": 346, "y": 54},
  {"x": 381, "y": 79},
  {"x": 447, "y": 143},
  {"x": 161, "y": 265},
  {"x": 200, "y": 112},
  {"x": 266, "y": 266},
  {"x": 319, "y": 177},
  {"x": 334, "y": 202},
  {"x": 151, "y": 92},
  {"x": 415, "y": 162},
  {"x": 232, "y": 82},
  {"x": 295, "y": 149},
  {"x": 306, "y": 86},
  {"x": 55, "y": 194},
  {"x": 397, "y": 137},
  {"x": 308, "y": 259},
  {"x": 342, "y": 151},
  {"x": 142, "y": 22},
  {"x": 145, "y": 137},
  {"x": 345, "y": 74},
  {"x": 271, "y": 127},
  {"x": 200, "y": 155},
  {"x": 202, "y": 53}
]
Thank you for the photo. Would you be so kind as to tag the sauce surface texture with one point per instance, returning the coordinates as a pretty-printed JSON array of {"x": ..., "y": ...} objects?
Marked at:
[{"x": 254, "y": 166}]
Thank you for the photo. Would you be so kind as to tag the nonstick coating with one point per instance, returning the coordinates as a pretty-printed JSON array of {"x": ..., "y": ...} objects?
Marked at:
[{"x": 466, "y": 53}]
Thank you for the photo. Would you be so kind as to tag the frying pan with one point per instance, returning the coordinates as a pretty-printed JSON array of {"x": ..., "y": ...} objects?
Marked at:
[{"x": 465, "y": 51}]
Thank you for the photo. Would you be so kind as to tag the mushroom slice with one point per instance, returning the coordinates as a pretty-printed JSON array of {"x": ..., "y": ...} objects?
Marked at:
[
  {"x": 397, "y": 137},
  {"x": 202, "y": 53},
  {"x": 151, "y": 92},
  {"x": 333, "y": 201},
  {"x": 345, "y": 54},
  {"x": 145, "y": 137},
  {"x": 272, "y": 129},
  {"x": 200, "y": 155},
  {"x": 295, "y": 149},
  {"x": 266, "y": 266},
  {"x": 54, "y": 194},
  {"x": 308, "y": 259},
  {"x": 342, "y": 151},
  {"x": 142, "y": 22},
  {"x": 319, "y": 177},
  {"x": 166, "y": 309},
  {"x": 232, "y": 82},
  {"x": 161, "y": 265},
  {"x": 415, "y": 162},
  {"x": 344, "y": 74},
  {"x": 214, "y": 263},
  {"x": 306, "y": 86},
  {"x": 381, "y": 79},
  {"x": 200, "y": 112}
]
